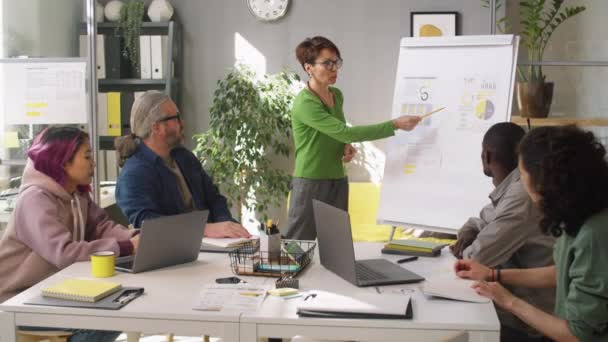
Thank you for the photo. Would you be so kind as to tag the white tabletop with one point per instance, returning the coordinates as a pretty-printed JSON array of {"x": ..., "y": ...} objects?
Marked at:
[
  {"x": 429, "y": 313},
  {"x": 166, "y": 306}
]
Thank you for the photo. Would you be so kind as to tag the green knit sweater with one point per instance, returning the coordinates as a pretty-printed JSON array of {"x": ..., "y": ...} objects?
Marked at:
[{"x": 320, "y": 134}]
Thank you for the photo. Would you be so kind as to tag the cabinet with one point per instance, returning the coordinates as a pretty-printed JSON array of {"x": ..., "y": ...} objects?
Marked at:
[{"x": 171, "y": 69}]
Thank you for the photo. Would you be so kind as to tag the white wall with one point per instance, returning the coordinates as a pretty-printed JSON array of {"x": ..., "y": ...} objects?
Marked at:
[{"x": 41, "y": 28}]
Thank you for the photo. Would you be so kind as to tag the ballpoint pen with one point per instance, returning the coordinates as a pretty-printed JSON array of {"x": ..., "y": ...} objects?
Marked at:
[{"x": 408, "y": 259}]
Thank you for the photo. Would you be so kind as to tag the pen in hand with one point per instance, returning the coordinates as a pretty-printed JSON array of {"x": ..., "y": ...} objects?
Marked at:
[{"x": 408, "y": 259}]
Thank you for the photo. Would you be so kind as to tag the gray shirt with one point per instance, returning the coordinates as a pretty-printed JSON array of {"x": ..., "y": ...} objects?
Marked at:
[{"x": 509, "y": 237}]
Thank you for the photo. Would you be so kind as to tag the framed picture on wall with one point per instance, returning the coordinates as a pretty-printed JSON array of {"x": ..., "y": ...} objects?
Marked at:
[{"x": 433, "y": 24}]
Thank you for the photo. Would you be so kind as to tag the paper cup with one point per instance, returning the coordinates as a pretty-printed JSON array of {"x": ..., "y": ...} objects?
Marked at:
[{"x": 102, "y": 264}]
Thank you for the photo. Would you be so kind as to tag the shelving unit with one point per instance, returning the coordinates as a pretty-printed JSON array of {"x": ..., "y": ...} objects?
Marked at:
[
  {"x": 552, "y": 121},
  {"x": 172, "y": 68},
  {"x": 560, "y": 121}
]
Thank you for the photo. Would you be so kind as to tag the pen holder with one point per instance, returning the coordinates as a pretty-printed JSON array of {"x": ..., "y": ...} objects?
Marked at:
[{"x": 270, "y": 246}]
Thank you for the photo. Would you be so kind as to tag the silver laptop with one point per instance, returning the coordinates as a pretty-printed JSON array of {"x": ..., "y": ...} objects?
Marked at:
[
  {"x": 338, "y": 254},
  {"x": 166, "y": 241}
]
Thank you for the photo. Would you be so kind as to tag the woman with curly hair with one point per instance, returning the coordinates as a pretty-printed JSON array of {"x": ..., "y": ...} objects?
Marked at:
[{"x": 565, "y": 172}]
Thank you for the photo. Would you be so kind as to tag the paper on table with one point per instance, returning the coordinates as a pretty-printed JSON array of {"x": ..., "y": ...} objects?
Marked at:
[
  {"x": 452, "y": 287},
  {"x": 362, "y": 303},
  {"x": 230, "y": 298}
]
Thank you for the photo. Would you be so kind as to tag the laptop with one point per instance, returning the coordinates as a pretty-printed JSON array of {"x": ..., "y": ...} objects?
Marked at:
[
  {"x": 166, "y": 241},
  {"x": 338, "y": 254}
]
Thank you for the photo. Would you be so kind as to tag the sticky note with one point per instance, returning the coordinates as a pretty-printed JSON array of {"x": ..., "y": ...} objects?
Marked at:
[{"x": 11, "y": 140}]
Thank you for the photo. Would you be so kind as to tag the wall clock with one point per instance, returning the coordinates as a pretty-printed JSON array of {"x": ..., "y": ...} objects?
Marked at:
[{"x": 268, "y": 10}]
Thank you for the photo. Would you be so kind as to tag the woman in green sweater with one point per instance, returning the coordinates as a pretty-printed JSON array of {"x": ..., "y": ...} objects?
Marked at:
[
  {"x": 322, "y": 138},
  {"x": 565, "y": 172}
]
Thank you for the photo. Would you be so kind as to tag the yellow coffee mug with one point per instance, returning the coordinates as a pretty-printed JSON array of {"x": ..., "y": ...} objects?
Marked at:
[{"x": 102, "y": 264}]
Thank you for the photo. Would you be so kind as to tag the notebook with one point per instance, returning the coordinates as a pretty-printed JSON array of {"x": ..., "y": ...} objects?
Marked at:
[
  {"x": 83, "y": 290},
  {"x": 453, "y": 287},
  {"x": 333, "y": 305},
  {"x": 230, "y": 242},
  {"x": 413, "y": 247}
]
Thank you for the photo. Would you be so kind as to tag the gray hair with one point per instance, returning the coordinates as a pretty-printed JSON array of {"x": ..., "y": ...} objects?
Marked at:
[{"x": 144, "y": 113}]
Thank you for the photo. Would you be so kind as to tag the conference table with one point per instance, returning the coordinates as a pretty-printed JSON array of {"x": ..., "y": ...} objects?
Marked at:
[{"x": 166, "y": 306}]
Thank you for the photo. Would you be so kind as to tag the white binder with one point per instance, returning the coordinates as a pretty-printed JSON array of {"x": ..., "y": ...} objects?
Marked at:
[
  {"x": 156, "y": 53},
  {"x": 102, "y": 114},
  {"x": 145, "y": 60},
  {"x": 101, "y": 59}
]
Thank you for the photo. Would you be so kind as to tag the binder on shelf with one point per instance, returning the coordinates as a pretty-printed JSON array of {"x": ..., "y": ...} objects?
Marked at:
[
  {"x": 101, "y": 60},
  {"x": 126, "y": 102},
  {"x": 156, "y": 55},
  {"x": 83, "y": 52},
  {"x": 114, "y": 126},
  {"x": 102, "y": 114},
  {"x": 145, "y": 61},
  {"x": 113, "y": 56},
  {"x": 83, "y": 290}
]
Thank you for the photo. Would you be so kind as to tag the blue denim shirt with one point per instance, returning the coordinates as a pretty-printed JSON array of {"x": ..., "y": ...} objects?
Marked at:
[{"x": 146, "y": 188}]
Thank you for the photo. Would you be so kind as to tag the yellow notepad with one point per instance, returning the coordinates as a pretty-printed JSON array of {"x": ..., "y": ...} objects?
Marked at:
[{"x": 83, "y": 290}]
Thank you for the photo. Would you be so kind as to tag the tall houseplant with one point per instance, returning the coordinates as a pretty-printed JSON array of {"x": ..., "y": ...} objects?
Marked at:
[
  {"x": 538, "y": 23},
  {"x": 131, "y": 18},
  {"x": 249, "y": 121}
]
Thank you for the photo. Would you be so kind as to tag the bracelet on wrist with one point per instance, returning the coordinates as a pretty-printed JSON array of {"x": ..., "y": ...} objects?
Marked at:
[{"x": 498, "y": 275}]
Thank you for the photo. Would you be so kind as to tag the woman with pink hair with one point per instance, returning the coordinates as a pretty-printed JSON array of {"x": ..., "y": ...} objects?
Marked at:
[{"x": 55, "y": 223}]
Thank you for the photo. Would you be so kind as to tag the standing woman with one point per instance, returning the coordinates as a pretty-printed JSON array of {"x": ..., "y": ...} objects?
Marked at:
[
  {"x": 322, "y": 138},
  {"x": 55, "y": 223},
  {"x": 564, "y": 170}
]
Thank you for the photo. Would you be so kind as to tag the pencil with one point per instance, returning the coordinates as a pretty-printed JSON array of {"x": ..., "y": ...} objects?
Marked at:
[{"x": 429, "y": 113}]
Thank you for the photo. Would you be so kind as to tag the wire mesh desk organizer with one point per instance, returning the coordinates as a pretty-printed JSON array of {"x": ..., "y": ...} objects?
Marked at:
[{"x": 293, "y": 257}]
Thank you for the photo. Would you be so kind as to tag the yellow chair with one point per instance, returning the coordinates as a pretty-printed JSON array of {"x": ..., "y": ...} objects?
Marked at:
[
  {"x": 42, "y": 336},
  {"x": 363, "y": 201}
]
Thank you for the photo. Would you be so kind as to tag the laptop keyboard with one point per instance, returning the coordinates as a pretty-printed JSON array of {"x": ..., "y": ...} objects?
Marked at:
[{"x": 366, "y": 273}]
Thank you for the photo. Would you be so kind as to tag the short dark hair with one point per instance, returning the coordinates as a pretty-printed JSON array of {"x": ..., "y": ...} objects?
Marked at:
[
  {"x": 308, "y": 50},
  {"x": 503, "y": 138},
  {"x": 567, "y": 167}
]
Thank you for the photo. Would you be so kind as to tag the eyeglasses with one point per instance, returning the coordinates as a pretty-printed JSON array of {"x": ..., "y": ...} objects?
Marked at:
[
  {"x": 169, "y": 118},
  {"x": 331, "y": 64}
]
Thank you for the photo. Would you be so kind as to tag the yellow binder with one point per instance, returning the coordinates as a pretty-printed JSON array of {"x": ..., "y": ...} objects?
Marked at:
[{"x": 114, "y": 114}]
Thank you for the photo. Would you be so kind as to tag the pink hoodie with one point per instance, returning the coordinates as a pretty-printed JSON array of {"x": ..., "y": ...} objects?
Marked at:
[{"x": 49, "y": 230}]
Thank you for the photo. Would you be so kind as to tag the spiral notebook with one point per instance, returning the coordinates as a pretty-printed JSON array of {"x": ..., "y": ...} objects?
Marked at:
[{"x": 83, "y": 290}]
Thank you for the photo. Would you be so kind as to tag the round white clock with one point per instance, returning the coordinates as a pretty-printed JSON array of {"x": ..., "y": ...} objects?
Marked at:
[{"x": 268, "y": 10}]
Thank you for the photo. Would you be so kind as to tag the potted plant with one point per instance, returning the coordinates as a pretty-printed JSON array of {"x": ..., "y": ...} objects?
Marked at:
[
  {"x": 538, "y": 23},
  {"x": 250, "y": 124},
  {"x": 131, "y": 18}
]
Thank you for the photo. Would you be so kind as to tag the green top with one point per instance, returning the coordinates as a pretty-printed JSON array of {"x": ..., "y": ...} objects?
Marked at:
[
  {"x": 320, "y": 134},
  {"x": 582, "y": 279}
]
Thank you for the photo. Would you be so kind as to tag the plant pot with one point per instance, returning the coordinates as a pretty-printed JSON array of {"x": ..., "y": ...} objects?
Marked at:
[{"x": 534, "y": 99}]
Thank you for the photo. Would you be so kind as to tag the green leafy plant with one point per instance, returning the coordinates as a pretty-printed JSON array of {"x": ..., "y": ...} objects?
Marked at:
[
  {"x": 538, "y": 23},
  {"x": 131, "y": 18},
  {"x": 250, "y": 123}
]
